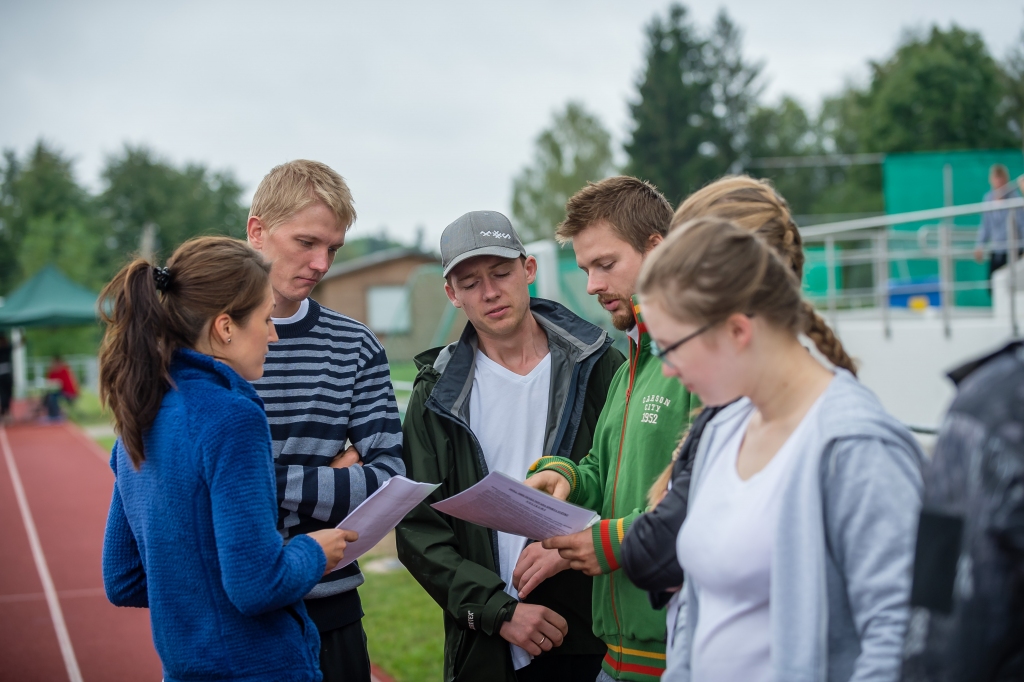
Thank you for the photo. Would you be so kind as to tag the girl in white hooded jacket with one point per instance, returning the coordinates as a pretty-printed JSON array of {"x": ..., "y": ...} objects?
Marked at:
[{"x": 804, "y": 496}]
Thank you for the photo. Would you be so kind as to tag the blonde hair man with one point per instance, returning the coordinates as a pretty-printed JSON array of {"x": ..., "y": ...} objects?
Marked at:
[{"x": 326, "y": 382}]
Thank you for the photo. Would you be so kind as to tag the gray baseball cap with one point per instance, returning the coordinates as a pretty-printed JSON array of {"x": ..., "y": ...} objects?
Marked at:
[{"x": 479, "y": 233}]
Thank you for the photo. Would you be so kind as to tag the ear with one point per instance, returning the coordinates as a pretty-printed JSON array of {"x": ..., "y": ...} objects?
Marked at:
[
  {"x": 653, "y": 241},
  {"x": 450, "y": 293},
  {"x": 740, "y": 330},
  {"x": 221, "y": 328},
  {"x": 255, "y": 232},
  {"x": 531, "y": 269}
]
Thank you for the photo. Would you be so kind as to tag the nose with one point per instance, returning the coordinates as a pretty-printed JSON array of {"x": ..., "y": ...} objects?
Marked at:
[
  {"x": 321, "y": 261},
  {"x": 594, "y": 284},
  {"x": 272, "y": 333},
  {"x": 490, "y": 289}
]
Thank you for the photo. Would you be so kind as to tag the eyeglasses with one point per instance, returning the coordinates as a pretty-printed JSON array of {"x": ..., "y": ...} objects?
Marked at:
[{"x": 662, "y": 353}]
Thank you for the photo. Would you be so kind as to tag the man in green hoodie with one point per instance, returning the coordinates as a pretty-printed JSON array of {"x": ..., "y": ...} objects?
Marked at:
[
  {"x": 527, "y": 377},
  {"x": 613, "y": 225}
]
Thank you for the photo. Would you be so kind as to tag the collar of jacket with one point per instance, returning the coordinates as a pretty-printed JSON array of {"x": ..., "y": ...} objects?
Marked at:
[
  {"x": 190, "y": 365},
  {"x": 644, "y": 338},
  {"x": 573, "y": 343},
  {"x": 962, "y": 372}
]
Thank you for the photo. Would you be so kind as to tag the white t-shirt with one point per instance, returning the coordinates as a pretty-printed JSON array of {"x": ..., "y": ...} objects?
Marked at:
[
  {"x": 508, "y": 414},
  {"x": 725, "y": 547},
  {"x": 299, "y": 314}
]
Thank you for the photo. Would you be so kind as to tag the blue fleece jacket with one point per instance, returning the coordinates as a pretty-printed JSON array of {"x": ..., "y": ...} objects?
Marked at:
[{"x": 193, "y": 536}]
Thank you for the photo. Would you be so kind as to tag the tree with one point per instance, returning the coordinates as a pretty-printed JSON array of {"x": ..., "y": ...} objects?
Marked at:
[
  {"x": 1013, "y": 87},
  {"x": 781, "y": 131},
  {"x": 144, "y": 191},
  {"x": 695, "y": 97},
  {"x": 939, "y": 91},
  {"x": 46, "y": 217},
  {"x": 576, "y": 149},
  {"x": 366, "y": 245}
]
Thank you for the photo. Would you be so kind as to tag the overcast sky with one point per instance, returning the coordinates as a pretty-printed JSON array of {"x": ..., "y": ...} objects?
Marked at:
[{"x": 427, "y": 109}]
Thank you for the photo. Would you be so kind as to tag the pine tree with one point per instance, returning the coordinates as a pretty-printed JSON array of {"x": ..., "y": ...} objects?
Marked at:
[{"x": 695, "y": 98}]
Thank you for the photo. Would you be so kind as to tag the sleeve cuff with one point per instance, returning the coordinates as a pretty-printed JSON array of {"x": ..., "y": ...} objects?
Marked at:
[
  {"x": 608, "y": 535},
  {"x": 496, "y": 611},
  {"x": 562, "y": 466}
]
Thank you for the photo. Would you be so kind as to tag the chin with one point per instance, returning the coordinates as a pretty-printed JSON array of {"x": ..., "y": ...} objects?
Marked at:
[
  {"x": 622, "y": 322},
  {"x": 500, "y": 327},
  {"x": 301, "y": 293},
  {"x": 716, "y": 399}
]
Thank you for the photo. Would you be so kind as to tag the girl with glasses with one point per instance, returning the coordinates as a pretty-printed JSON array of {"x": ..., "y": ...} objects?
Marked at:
[{"x": 803, "y": 498}]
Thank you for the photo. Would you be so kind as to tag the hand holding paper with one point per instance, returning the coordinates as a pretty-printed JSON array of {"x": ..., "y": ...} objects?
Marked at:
[
  {"x": 510, "y": 506},
  {"x": 333, "y": 542},
  {"x": 550, "y": 482},
  {"x": 380, "y": 512}
]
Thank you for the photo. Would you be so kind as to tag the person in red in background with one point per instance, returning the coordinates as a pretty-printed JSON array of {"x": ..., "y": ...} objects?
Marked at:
[{"x": 61, "y": 373}]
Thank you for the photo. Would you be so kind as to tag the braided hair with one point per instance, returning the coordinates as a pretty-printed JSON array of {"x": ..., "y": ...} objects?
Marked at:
[{"x": 755, "y": 205}]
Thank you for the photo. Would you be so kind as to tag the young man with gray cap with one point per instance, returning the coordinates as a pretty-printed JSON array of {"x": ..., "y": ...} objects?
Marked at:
[{"x": 527, "y": 378}]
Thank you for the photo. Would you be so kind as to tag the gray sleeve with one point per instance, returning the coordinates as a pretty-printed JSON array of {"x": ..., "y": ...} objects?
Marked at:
[
  {"x": 872, "y": 503},
  {"x": 985, "y": 231}
]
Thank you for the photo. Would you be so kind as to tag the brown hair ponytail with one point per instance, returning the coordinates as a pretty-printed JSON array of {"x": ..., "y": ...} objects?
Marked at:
[
  {"x": 150, "y": 312},
  {"x": 825, "y": 340},
  {"x": 754, "y": 205},
  {"x": 711, "y": 268}
]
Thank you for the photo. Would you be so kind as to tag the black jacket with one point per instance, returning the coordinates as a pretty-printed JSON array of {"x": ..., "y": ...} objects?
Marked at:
[
  {"x": 456, "y": 562},
  {"x": 649, "y": 549},
  {"x": 968, "y": 594}
]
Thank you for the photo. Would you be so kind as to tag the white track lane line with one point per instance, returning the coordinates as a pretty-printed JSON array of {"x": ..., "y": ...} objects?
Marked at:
[{"x": 56, "y": 615}]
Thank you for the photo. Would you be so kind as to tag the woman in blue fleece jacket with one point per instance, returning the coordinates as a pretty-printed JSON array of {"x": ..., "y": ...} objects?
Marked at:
[{"x": 191, "y": 532}]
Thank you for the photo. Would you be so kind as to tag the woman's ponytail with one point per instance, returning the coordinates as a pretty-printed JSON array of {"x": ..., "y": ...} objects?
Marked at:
[
  {"x": 825, "y": 340},
  {"x": 151, "y": 312},
  {"x": 134, "y": 357}
]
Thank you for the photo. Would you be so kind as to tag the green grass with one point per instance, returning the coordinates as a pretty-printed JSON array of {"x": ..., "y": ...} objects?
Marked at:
[
  {"x": 403, "y": 626},
  {"x": 86, "y": 410},
  {"x": 106, "y": 442},
  {"x": 403, "y": 371}
]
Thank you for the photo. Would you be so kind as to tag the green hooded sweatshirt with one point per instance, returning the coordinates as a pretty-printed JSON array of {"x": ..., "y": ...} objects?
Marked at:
[{"x": 640, "y": 426}]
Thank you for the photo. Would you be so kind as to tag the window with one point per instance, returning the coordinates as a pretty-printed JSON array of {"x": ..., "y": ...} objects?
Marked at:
[{"x": 388, "y": 309}]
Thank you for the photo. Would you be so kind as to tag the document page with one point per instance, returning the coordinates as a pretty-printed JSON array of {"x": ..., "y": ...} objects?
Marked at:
[
  {"x": 380, "y": 512},
  {"x": 510, "y": 506}
]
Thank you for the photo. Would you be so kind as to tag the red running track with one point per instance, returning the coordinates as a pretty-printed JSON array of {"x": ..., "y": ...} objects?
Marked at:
[{"x": 67, "y": 483}]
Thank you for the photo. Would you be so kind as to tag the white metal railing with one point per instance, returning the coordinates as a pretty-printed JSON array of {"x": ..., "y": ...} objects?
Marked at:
[{"x": 939, "y": 241}]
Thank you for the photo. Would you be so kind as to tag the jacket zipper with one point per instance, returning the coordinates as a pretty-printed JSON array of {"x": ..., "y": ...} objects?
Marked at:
[
  {"x": 615, "y": 484},
  {"x": 483, "y": 467}
]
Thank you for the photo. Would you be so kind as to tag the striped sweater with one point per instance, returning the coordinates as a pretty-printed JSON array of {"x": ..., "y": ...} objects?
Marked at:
[{"x": 327, "y": 382}]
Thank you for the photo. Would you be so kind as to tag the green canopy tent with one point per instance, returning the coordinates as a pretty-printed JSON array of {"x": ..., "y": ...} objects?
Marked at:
[{"x": 49, "y": 299}]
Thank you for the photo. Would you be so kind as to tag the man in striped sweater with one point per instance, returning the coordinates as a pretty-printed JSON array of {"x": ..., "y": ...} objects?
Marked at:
[{"x": 326, "y": 383}]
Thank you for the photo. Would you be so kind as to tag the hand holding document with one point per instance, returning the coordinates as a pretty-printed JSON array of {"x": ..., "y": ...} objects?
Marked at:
[
  {"x": 510, "y": 506},
  {"x": 380, "y": 512}
]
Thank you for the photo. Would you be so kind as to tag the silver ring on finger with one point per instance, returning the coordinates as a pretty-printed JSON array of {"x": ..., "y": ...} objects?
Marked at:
[{"x": 543, "y": 638}]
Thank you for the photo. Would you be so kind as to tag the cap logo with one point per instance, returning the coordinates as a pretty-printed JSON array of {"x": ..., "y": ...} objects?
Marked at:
[{"x": 496, "y": 234}]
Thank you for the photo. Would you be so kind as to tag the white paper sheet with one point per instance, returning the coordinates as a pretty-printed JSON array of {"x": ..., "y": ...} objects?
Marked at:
[
  {"x": 380, "y": 512},
  {"x": 510, "y": 506}
]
